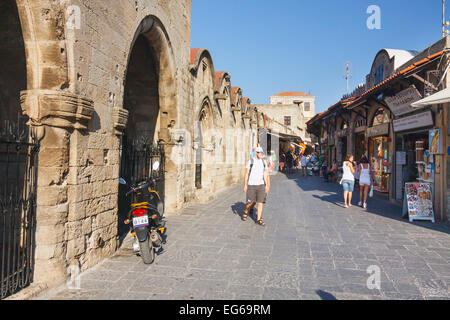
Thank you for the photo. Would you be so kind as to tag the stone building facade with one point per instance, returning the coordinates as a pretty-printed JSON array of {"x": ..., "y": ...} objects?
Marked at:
[
  {"x": 89, "y": 75},
  {"x": 289, "y": 112}
]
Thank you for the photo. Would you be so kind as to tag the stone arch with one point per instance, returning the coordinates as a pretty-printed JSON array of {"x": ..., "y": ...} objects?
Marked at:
[
  {"x": 236, "y": 105},
  {"x": 149, "y": 109},
  {"x": 203, "y": 142},
  {"x": 155, "y": 33},
  {"x": 373, "y": 112},
  {"x": 197, "y": 55},
  {"x": 14, "y": 67}
]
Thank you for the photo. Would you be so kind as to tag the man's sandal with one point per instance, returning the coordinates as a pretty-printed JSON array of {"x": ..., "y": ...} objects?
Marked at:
[
  {"x": 244, "y": 216},
  {"x": 260, "y": 222}
]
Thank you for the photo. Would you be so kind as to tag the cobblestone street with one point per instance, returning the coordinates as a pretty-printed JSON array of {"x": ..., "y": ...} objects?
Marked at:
[{"x": 311, "y": 248}]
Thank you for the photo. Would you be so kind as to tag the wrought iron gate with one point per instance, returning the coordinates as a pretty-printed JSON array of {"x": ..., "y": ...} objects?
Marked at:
[
  {"x": 19, "y": 148},
  {"x": 138, "y": 157}
]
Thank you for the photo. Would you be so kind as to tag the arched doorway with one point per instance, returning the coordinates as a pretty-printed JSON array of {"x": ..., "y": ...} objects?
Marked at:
[
  {"x": 18, "y": 151},
  {"x": 203, "y": 145},
  {"x": 380, "y": 146},
  {"x": 141, "y": 139}
]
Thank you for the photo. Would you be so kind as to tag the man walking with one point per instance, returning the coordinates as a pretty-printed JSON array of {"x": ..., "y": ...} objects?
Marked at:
[
  {"x": 256, "y": 185},
  {"x": 303, "y": 162}
]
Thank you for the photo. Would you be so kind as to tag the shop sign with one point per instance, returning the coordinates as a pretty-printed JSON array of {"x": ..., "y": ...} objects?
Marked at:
[
  {"x": 424, "y": 119},
  {"x": 380, "y": 130},
  {"x": 418, "y": 201},
  {"x": 401, "y": 102}
]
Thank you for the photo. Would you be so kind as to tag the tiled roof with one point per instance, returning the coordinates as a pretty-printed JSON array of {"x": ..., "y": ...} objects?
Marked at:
[
  {"x": 234, "y": 91},
  {"x": 194, "y": 53},
  {"x": 292, "y": 94},
  {"x": 349, "y": 102},
  {"x": 398, "y": 74},
  {"x": 219, "y": 76}
]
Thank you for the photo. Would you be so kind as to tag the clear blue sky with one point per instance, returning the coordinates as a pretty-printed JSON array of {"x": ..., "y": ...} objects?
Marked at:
[{"x": 271, "y": 46}]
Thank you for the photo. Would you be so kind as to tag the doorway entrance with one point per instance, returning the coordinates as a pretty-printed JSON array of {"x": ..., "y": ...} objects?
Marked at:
[{"x": 140, "y": 148}]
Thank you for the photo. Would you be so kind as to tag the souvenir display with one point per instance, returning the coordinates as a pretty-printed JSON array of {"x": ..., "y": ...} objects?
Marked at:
[{"x": 420, "y": 201}]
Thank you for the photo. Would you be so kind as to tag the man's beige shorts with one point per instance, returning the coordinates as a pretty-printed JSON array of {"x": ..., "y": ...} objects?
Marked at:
[{"x": 256, "y": 194}]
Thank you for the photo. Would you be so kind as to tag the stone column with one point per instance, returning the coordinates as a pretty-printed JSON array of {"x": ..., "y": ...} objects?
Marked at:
[{"x": 55, "y": 115}]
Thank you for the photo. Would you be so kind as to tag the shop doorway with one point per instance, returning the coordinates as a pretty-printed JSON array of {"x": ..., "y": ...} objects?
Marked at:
[
  {"x": 343, "y": 147},
  {"x": 411, "y": 170},
  {"x": 360, "y": 146},
  {"x": 380, "y": 161}
]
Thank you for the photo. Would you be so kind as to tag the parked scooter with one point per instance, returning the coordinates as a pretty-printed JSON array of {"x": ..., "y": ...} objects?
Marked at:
[{"x": 146, "y": 216}]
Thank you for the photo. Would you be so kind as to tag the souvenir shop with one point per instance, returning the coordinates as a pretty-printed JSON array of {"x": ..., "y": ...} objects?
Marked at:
[
  {"x": 414, "y": 158},
  {"x": 380, "y": 156}
]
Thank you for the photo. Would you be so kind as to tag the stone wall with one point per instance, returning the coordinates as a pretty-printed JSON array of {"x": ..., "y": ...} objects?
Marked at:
[
  {"x": 76, "y": 88},
  {"x": 289, "y": 100},
  {"x": 277, "y": 112}
]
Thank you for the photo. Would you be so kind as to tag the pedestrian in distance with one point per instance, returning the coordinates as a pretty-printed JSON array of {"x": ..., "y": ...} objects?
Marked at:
[
  {"x": 256, "y": 185},
  {"x": 365, "y": 181},
  {"x": 332, "y": 172},
  {"x": 289, "y": 161},
  {"x": 348, "y": 180},
  {"x": 303, "y": 162},
  {"x": 282, "y": 162}
]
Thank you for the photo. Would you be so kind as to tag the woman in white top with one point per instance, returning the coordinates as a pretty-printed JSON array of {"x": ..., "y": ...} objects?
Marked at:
[
  {"x": 348, "y": 180},
  {"x": 365, "y": 181}
]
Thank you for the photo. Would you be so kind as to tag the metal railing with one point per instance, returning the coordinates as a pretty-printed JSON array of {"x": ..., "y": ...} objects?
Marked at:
[{"x": 19, "y": 148}]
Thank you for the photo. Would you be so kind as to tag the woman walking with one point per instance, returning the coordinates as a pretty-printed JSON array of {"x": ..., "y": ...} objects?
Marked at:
[
  {"x": 348, "y": 180},
  {"x": 365, "y": 181}
]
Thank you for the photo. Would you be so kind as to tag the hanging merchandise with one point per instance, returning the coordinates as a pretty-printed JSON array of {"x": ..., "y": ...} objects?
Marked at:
[{"x": 435, "y": 142}]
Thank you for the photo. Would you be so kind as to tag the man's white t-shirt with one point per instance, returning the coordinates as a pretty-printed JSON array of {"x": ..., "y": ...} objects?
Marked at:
[
  {"x": 257, "y": 174},
  {"x": 303, "y": 161}
]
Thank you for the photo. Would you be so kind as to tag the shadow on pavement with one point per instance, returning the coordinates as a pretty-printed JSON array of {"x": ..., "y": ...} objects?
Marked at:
[
  {"x": 325, "y": 295},
  {"x": 238, "y": 208},
  {"x": 378, "y": 205}
]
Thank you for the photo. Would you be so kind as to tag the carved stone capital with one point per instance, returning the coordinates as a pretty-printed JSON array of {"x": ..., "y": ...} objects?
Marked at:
[
  {"x": 120, "y": 120},
  {"x": 57, "y": 108}
]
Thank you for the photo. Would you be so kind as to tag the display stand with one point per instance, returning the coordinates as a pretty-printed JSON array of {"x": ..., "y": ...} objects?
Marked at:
[{"x": 417, "y": 202}]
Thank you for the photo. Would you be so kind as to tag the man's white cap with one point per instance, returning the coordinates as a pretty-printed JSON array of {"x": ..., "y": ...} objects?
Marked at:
[{"x": 259, "y": 149}]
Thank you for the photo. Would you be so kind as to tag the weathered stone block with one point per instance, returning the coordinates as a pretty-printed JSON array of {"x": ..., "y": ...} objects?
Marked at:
[
  {"x": 75, "y": 193},
  {"x": 75, "y": 247},
  {"x": 73, "y": 230},
  {"x": 48, "y": 176},
  {"x": 53, "y": 157},
  {"x": 88, "y": 190},
  {"x": 50, "y": 235},
  {"x": 87, "y": 226},
  {"x": 77, "y": 211},
  {"x": 52, "y": 215},
  {"x": 51, "y": 196}
]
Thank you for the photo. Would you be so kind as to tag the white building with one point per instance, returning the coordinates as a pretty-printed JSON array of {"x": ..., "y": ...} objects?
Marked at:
[{"x": 305, "y": 101}]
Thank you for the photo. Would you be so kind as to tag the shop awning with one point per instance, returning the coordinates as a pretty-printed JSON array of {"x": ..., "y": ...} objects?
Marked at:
[
  {"x": 287, "y": 137},
  {"x": 442, "y": 96}
]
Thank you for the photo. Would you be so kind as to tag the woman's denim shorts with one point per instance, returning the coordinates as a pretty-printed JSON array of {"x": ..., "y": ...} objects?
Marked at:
[{"x": 348, "y": 185}]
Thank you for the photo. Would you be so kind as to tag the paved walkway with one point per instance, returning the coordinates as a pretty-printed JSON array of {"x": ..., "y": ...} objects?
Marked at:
[{"x": 311, "y": 248}]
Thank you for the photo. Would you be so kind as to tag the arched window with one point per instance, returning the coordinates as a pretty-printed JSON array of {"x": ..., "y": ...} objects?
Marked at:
[{"x": 380, "y": 117}]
